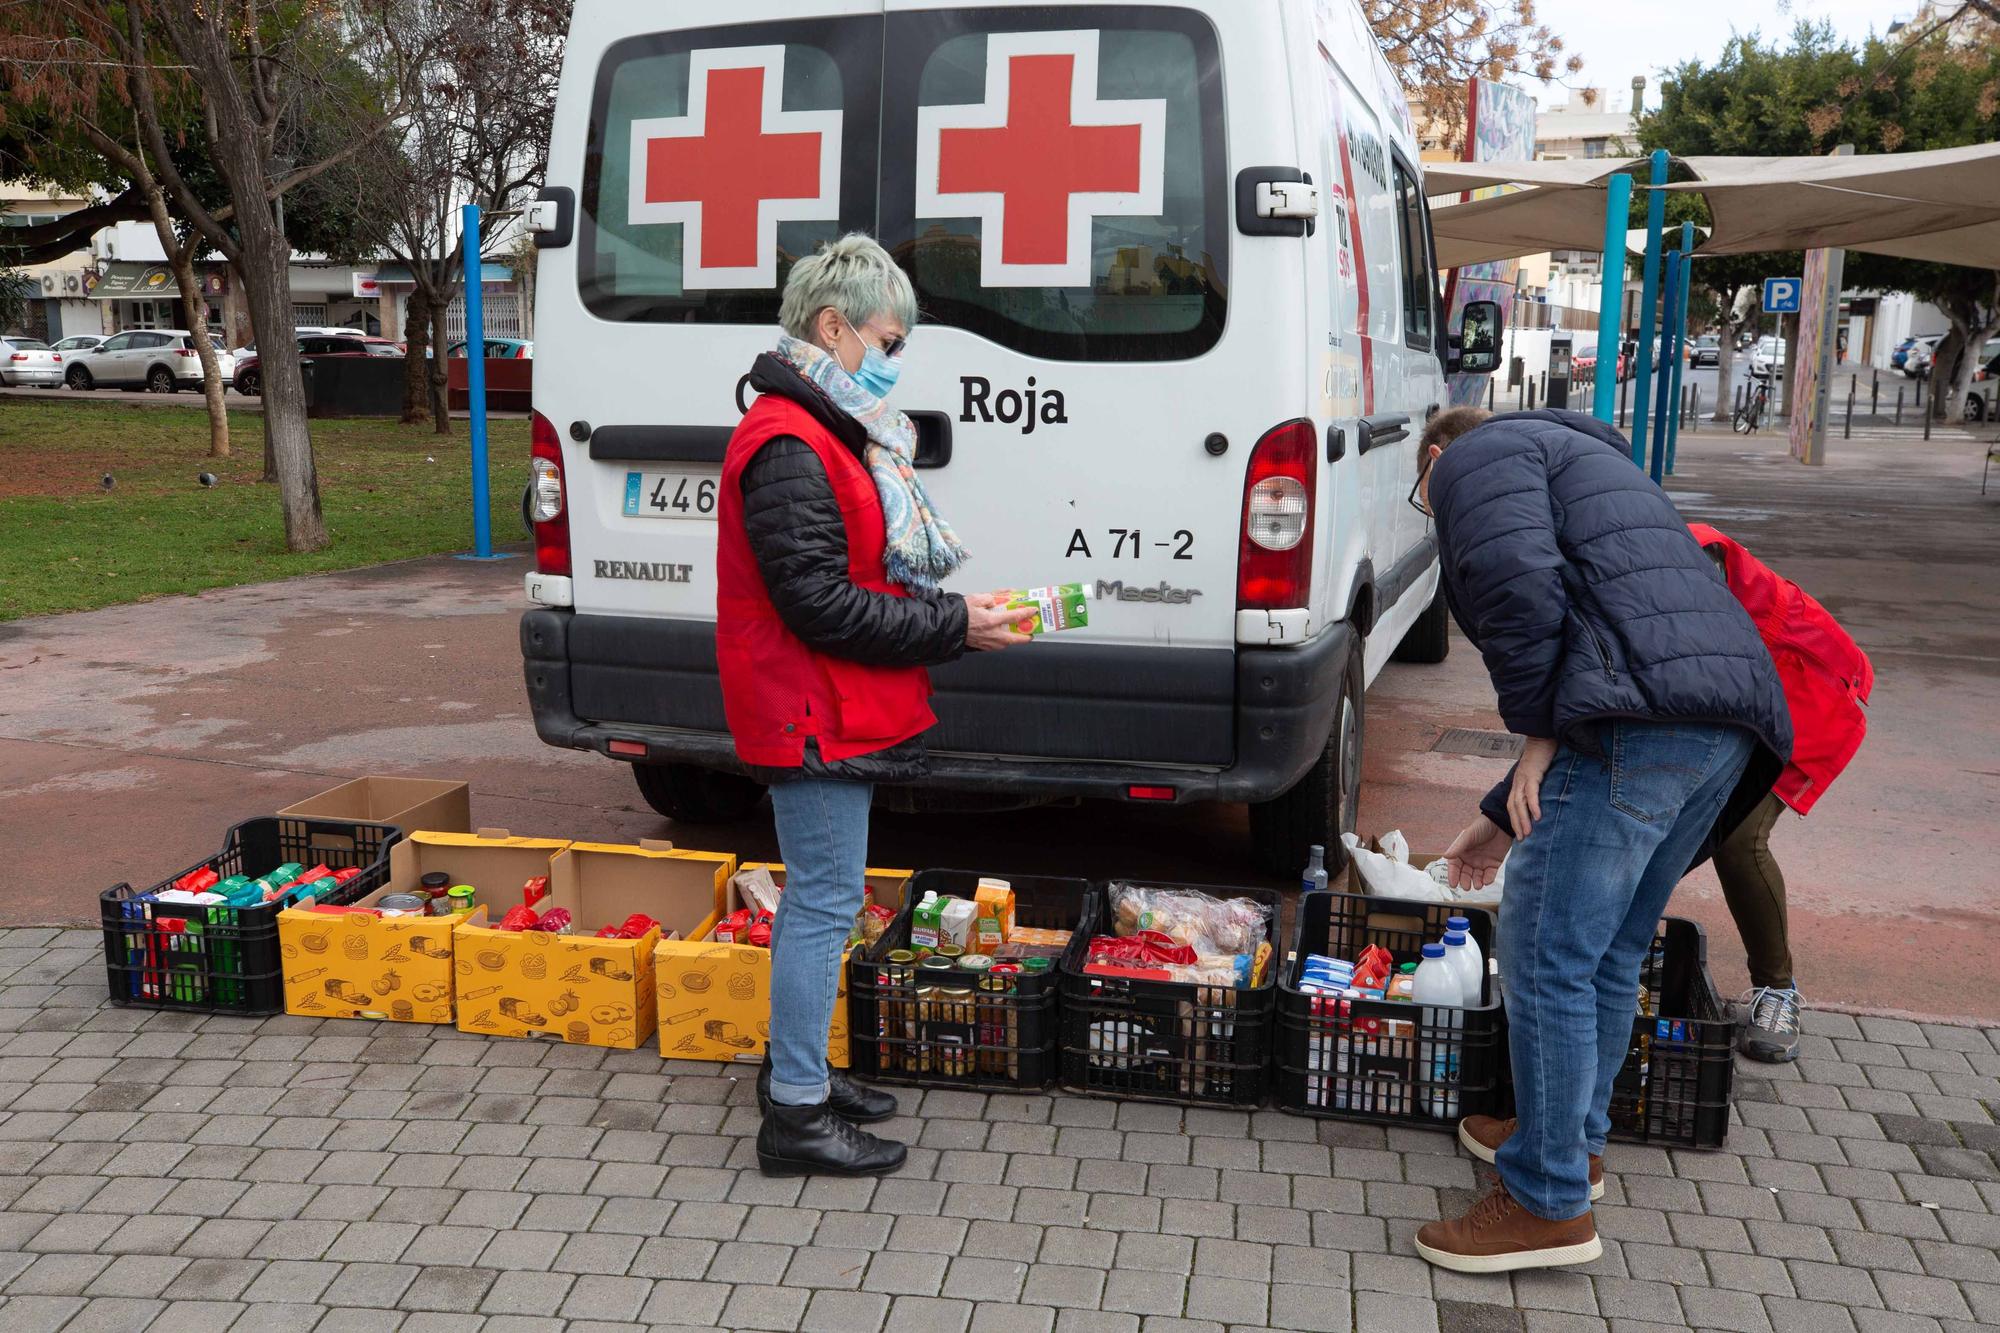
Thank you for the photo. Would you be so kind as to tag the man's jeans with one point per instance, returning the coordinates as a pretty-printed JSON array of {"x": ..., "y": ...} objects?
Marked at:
[
  {"x": 1585, "y": 892},
  {"x": 823, "y": 836}
]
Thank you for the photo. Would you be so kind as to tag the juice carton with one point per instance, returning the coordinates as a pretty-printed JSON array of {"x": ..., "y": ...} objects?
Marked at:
[
  {"x": 927, "y": 925},
  {"x": 995, "y": 922},
  {"x": 1059, "y": 607},
  {"x": 955, "y": 924}
]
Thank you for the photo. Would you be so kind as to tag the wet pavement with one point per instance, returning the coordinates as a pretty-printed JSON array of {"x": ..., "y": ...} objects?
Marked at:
[{"x": 131, "y": 738}]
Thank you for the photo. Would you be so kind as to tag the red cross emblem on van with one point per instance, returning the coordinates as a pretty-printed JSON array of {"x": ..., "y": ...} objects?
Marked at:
[
  {"x": 734, "y": 167},
  {"x": 1041, "y": 159}
]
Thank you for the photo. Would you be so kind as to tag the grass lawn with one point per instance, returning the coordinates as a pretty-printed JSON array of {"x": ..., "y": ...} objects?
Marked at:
[{"x": 67, "y": 544}]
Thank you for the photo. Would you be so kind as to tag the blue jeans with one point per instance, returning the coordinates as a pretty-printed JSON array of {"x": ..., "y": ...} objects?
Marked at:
[
  {"x": 823, "y": 836},
  {"x": 1585, "y": 893}
]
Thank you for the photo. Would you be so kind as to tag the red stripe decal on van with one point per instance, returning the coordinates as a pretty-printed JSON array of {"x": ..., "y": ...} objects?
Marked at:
[{"x": 1365, "y": 347}]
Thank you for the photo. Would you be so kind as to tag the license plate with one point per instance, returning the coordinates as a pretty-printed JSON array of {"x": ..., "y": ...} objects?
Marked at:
[{"x": 670, "y": 494}]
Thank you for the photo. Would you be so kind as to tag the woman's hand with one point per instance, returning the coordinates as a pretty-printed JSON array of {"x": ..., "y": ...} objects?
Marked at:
[
  {"x": 990, "y": 626},
  {"x": 1474, "y": 857},
  {"x": 1524, "y": 799}
]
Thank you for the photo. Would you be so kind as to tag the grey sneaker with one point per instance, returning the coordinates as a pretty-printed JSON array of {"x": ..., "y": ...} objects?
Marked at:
[{"x": 1770, "y": 1025}]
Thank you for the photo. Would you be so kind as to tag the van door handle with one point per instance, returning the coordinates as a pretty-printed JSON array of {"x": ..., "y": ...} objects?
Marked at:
[
  {"x": 1380, "y": 429},
  {"x": 933, "y": 439}
]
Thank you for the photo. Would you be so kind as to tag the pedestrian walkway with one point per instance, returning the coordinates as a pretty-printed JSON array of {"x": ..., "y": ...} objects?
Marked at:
[{"x": 189, "y": 1172}]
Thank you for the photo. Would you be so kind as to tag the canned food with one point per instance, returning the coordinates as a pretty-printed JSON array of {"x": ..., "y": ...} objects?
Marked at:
[
  {"x": 951, "y": 952},
  {"x": 976, "y": 962},
  {"x": 441, "y": 904},
  {"x": 1035, "y": 967},
  {"x": 389, "y": 912},
  {"x": 996, "y": 1028},
  {"x": 401, "y": 904},
  {"x": 955, "y": 1030},
  {"x": 461, "y": 897},
  {"x": 435, "y": 882},
  {"x": 895, "y": 1027}
]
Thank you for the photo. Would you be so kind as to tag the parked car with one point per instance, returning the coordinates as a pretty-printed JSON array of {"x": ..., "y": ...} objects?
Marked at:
[
  {"x": 158, "y": 360},
  {"x": 1767, "y": 356},
  {"x": 1918, "y": 356},
  {"x": 1982, "y": 396},
  {"x": 1248, "y": 541},
  {"x": 1705, "y": 351},
  {"x": 500, "y": 349},
  {"x": 29, "y": 361},
  {"x": 250, "y": 370},
  {"x": 79, "y": 342}
]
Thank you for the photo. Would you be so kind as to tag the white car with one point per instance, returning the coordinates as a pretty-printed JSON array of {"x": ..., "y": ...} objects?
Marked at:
[
  {"x": 1982, "y": 396},
  {"x": 26, "y": 361},
  {"x": 1768, "y": 355},
  {"x": 1191, "y": 382},
  {"x": 157, "y": 360}
]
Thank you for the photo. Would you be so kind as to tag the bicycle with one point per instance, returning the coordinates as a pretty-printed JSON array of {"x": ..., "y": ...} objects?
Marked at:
[{"x": 1756, "y": 403}]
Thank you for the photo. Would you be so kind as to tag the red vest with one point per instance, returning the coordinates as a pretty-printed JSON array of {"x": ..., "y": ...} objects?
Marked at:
[
  {"x": 776, "y": 691},
  {"x": 1826, "y": 676}
]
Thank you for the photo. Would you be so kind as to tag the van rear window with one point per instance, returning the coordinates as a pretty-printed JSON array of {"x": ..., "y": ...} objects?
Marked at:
[
  {"x": 1053, "y": 179},
  {"x": 719, "y": 156}
]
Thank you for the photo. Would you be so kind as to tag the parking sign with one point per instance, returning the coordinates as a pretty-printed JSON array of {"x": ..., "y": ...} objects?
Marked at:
[{"x": 1781, "y": 295}]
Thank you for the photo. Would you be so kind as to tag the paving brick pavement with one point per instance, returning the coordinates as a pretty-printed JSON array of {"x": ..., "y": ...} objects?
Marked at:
[{"x": 177, "y": 1171}]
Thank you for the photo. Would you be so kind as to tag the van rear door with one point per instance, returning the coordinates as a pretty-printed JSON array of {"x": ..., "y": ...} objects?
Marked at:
[
  {"x": 1056, "y": 181},
  {"x": 715, "y": 156}
]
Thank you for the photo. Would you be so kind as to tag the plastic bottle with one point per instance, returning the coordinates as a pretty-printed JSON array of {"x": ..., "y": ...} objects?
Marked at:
[
  {"x": 1472, "y": 950},
  {"x": 1314, "y": 879},
  {"x": 1437, "y": 989},
  {"x": 1462, "y": 954}
]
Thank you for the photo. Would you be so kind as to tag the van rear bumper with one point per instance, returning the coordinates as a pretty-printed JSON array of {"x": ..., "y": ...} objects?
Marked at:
[{"x": 1209, "y": 724}]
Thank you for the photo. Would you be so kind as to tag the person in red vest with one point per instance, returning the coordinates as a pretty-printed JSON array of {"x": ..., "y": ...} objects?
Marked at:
[
  {"x": 1827, "y": 680},
  {"x": 828, "y": 610}
]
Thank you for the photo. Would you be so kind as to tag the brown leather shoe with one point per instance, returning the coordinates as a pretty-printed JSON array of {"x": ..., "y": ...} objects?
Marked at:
[
  {"x": 1498, "y": 1235},
  {"x": 1482, "y": 1136}
]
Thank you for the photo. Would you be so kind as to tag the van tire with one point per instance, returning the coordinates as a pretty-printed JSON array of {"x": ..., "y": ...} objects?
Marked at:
[
  {"x": 691, "y": 795},
  {"x": 1429, "y": 639},
  {"x": 1321, "y": 805}
]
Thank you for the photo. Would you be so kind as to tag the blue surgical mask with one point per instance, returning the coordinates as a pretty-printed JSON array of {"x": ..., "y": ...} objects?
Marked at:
[{"x": 878, "y": 371}]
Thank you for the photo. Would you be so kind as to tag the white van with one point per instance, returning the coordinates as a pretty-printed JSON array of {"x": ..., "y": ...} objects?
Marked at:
[{"x": 1181, "y": 332}]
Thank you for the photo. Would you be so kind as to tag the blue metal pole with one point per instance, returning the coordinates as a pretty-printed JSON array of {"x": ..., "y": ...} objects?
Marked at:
[
  {"x": 1656, "y": 220},
  {"x": 1680, "y": 339},
  {"x": 1670, "y": 293},
  {"x": 1611, "y": 294},
  {"x": 475, "y": 384}
]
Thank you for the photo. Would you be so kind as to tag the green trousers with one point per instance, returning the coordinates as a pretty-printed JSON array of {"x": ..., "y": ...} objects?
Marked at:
[{"x": 1755, "y": 890}]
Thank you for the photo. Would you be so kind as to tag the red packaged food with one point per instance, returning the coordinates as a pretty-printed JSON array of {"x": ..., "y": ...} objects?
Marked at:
[
  {"x": 1148, "y": 946},
  {"x": 199, "y": 880},
  {"x": 535, "y": 890},
  {"x": 518, "y": 918},
  {"x": 759, "y": 935},
  {"x": 556, "y": 921},
  {"x": 635, "y": 927},
  {"x": 342, "y": 876},
  {"x": 307, "y": 876}
]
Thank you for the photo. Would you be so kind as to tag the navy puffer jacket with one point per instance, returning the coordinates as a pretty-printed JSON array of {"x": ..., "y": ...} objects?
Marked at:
[{"x": 1579, "y": 583}]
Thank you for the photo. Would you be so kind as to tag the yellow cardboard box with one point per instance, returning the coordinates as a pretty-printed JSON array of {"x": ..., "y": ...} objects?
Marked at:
[
  {"x": 577, "y": 987},
  {"x": 715, "y": 999},
  {"x": 360, "y": 966}
]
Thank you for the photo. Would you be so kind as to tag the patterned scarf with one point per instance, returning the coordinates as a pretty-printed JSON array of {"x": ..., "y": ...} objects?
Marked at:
[{"x": 921, "y": 549}]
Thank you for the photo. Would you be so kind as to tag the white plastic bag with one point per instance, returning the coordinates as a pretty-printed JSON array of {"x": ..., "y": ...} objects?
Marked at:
[{"x": 1389, "y": 874}]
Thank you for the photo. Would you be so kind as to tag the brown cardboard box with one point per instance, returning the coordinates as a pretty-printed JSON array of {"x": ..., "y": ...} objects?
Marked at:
[
  {"x": 576, "y": 987},
  {"x": 701, "y": 1020},
  {"x": 408, "y": 803},
  {"x": 360, "y": 966}
]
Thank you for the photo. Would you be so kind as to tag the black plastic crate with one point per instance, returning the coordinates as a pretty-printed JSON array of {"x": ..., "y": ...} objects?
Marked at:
[
  {"x": 1674, "y": 1089},
  {"x": 225, "y": 959},
  {"x": 1169, "y": 1041},
  {"x": 904, "y": 1029},
  {"x": 1384, "y": 1061}
]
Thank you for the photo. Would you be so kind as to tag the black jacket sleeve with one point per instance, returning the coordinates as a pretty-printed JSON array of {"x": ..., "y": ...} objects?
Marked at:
[
  {"x": 1503, "y": 571},
  {"x": 800, "y": 542}
]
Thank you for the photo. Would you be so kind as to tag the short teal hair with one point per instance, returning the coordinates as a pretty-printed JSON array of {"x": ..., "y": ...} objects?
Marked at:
[{"x": 856, "y": 277}]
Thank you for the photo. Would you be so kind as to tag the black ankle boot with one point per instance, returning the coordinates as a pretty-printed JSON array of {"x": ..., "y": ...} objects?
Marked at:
[
  {"x": 847, "y": 1099},
  {"x": 812, "y": 1140}
]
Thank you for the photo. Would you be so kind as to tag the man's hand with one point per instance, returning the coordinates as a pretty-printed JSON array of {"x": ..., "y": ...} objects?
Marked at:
[
  {"x": 989, "y": 625},
  {"x": 1524, "y": 800},
  {"x": 1474, "y": 857}
]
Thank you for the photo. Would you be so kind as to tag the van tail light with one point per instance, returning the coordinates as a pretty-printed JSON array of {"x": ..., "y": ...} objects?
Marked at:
[
  {"x": 1274, "y": 562},
  {"x": 547, "y": 494}
]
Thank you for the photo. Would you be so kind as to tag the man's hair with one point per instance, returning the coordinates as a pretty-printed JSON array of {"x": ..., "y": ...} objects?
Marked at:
[{"x": 1448, "y": 425}]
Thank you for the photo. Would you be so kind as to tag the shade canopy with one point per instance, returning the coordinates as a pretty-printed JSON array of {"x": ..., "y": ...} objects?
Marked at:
[{"x": 1941, "y": 205}]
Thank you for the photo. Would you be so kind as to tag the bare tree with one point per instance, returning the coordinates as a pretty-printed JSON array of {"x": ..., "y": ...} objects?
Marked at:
[
  {"x": 252, "y": 68},
  {"x": 477, "y": 131},
  {"x": 1436, "y": 45}
]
